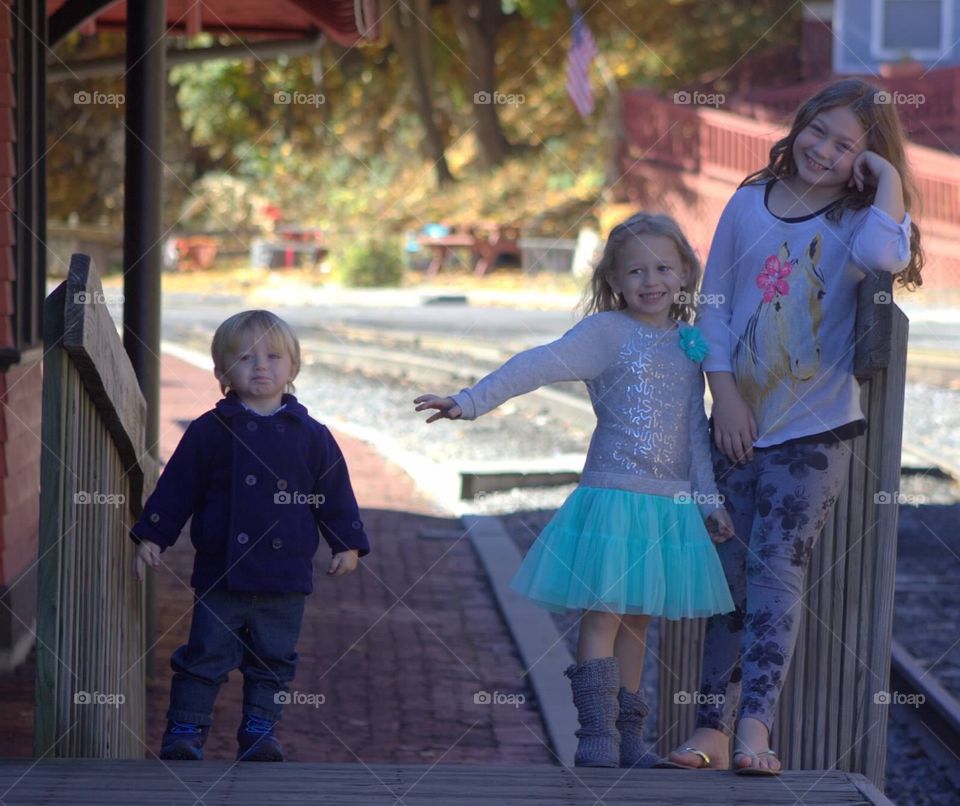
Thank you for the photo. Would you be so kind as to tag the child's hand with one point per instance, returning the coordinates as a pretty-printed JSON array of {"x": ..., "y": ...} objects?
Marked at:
[
  {"x": 343, "y": 563},
  {"x": 445, "y": 407},
  {"x": 868, "y": 168},
  {"x": 148, "y": 553},
  {"x": 720, "y": 526},
  {"x": 734, "y": 426}
]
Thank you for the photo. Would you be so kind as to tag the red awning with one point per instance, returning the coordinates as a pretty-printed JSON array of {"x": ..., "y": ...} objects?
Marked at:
[{"x": 344, "y": 21}]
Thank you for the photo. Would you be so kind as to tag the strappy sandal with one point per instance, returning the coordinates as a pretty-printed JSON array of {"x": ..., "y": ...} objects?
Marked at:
[
  {"x": 667, "y": 764},
  {"x": 751, "y": 770}
]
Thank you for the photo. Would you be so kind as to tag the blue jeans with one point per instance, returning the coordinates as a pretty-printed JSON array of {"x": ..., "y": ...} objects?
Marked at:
[{"x": 256, "y": 633}]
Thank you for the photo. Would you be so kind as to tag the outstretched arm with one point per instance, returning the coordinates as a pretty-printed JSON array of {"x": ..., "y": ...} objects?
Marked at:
[
  {"x": 580, "y": 354},
  {"x": 446, "y": 407}
]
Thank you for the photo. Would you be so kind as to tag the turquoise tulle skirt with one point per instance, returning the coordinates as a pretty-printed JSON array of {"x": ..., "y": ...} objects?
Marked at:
[{"x": 625, "y": 552}]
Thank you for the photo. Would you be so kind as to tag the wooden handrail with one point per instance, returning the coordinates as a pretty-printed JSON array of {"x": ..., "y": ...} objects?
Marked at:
[{"x": 91, "y": 682}]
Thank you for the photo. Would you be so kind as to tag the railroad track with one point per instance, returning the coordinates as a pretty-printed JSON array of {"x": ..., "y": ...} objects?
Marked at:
[{"x": 932, "y": 715}]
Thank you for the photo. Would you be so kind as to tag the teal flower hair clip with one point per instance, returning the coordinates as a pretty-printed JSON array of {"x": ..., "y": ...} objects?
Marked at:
[{"x": 693, "y": 344}]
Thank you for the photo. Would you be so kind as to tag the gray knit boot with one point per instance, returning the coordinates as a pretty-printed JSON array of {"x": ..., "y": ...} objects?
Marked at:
[
  {"x": 595, "y": 684},
  {"x": 633, "y": 711}
]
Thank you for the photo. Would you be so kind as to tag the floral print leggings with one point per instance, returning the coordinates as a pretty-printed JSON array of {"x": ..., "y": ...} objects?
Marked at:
[{"x": 779, "y": 502}]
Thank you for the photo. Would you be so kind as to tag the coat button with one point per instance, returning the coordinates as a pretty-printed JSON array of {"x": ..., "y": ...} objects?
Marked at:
[
  {"x": 281, "y": 484},
  {"x": 154, "y": 517},
  {"x": 357, "y": 525},
  {"x": 277, "y": 543},
  {"x": 251, "y": 426},
  {"x": 250, "y": 480},
  {"x": 243, "y": 537}
]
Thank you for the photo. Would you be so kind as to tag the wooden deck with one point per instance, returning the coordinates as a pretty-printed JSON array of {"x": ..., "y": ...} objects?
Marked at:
[{"x": 78, "y": 781}]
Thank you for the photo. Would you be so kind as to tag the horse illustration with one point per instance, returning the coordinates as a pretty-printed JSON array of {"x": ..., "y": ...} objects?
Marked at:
[{"x": 780, "y": 346}]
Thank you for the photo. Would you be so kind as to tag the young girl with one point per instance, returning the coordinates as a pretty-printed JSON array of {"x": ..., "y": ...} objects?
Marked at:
[
  {"x": 629, "y": 543},
  {"x": 790, "y": 249},
  {"x": 262, "y": 480}
]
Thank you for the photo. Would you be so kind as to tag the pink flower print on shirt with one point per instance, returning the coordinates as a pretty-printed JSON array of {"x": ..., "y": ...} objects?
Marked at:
[{"x": 773, "y": 278}]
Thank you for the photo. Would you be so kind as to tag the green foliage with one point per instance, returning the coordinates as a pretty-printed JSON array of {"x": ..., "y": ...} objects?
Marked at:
[
  {"x": 540, "y": 11},
  {"x": 371, "y": 264},
  {"x": 354, "y": 163}
]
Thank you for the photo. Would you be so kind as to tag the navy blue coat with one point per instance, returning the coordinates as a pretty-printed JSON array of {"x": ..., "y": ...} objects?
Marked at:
[{"x": 261, "y": 491}]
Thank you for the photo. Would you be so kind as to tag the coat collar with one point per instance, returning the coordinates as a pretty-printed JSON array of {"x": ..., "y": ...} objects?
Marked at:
[{"x": 230, "y": 406}]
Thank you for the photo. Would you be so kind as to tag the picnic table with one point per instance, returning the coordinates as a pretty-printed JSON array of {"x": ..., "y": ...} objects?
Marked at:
[
  {"x": 290, "y": 246},
  {"x": 486, "y": 241}
]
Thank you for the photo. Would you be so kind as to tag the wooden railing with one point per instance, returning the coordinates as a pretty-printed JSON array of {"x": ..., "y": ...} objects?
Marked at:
[
  {"x": 833, "y": 713},
  {"x": 90, "y": 617},
  {"x": 701, "y": 142},
  {"x": 928, "y": 103},
  {"x": 727, "y": 146}
]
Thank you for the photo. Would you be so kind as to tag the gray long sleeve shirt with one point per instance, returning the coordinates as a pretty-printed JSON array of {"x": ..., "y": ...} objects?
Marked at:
[
  {"x": 651, "y": 435},
  {"x": 779, "y": 302}
]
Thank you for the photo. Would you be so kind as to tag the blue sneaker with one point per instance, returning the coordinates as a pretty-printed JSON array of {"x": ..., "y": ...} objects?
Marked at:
[
  {"x": 183, "y": 741},
  {"x": 256, "y": 740}
]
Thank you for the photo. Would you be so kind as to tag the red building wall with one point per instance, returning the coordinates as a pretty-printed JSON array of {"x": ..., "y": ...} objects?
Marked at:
[{"x": 20, "y": 396}]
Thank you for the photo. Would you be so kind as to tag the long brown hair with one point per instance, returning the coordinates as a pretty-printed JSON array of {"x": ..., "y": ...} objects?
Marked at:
[
  {"x": 884, "y": 135},
  {"x": 599, "y": 295}
]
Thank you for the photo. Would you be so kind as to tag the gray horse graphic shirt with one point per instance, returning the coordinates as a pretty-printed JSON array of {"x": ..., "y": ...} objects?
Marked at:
[{"x": 778, "y": 308}]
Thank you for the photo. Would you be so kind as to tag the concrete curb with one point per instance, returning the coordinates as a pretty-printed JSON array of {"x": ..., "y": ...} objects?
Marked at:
[{"x": 544, "y": 652}]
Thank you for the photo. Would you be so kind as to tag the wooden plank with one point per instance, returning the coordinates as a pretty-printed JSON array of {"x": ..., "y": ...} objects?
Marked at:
[
  {"x": 873, "y": 347},
  {"x": 90, "y": 337},
  {"x": 76, "y": 781},
  {"x": 544, "y": 651},
  {"x": 886, "y": 548}
]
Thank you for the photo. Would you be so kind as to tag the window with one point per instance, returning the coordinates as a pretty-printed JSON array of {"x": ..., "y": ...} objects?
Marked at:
[{"x": 917, "y": 29}]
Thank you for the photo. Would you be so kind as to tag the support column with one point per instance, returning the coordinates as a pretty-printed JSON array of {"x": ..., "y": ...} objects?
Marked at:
[
  {"x": 143, "y": 200},
  {"x": 143, "y": 223}
]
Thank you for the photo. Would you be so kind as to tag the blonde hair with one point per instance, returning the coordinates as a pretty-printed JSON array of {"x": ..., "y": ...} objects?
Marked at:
[
  {"x": 265, "y": 325},
  {"x": 599, "y": 295},
  {"x": 884, "y": 136}
]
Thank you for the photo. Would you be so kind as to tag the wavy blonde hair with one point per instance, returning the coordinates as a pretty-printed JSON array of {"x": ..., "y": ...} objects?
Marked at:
[{"x": 599, "y": 295}]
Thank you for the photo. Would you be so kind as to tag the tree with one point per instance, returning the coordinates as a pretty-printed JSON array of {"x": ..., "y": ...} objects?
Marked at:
[
  {"x": 477, "y": 25},
  {"x": 408, "y": 23}
]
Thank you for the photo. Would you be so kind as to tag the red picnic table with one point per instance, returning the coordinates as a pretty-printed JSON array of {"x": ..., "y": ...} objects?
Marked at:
[{"x": 486, "y": 242}]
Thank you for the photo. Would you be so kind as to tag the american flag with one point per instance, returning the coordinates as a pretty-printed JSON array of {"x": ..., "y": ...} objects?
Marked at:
[{"x": 582, "y": 51}]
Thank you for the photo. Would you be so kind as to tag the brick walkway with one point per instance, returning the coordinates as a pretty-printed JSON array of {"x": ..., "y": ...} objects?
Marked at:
[{"x": 398, "y": 649}]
